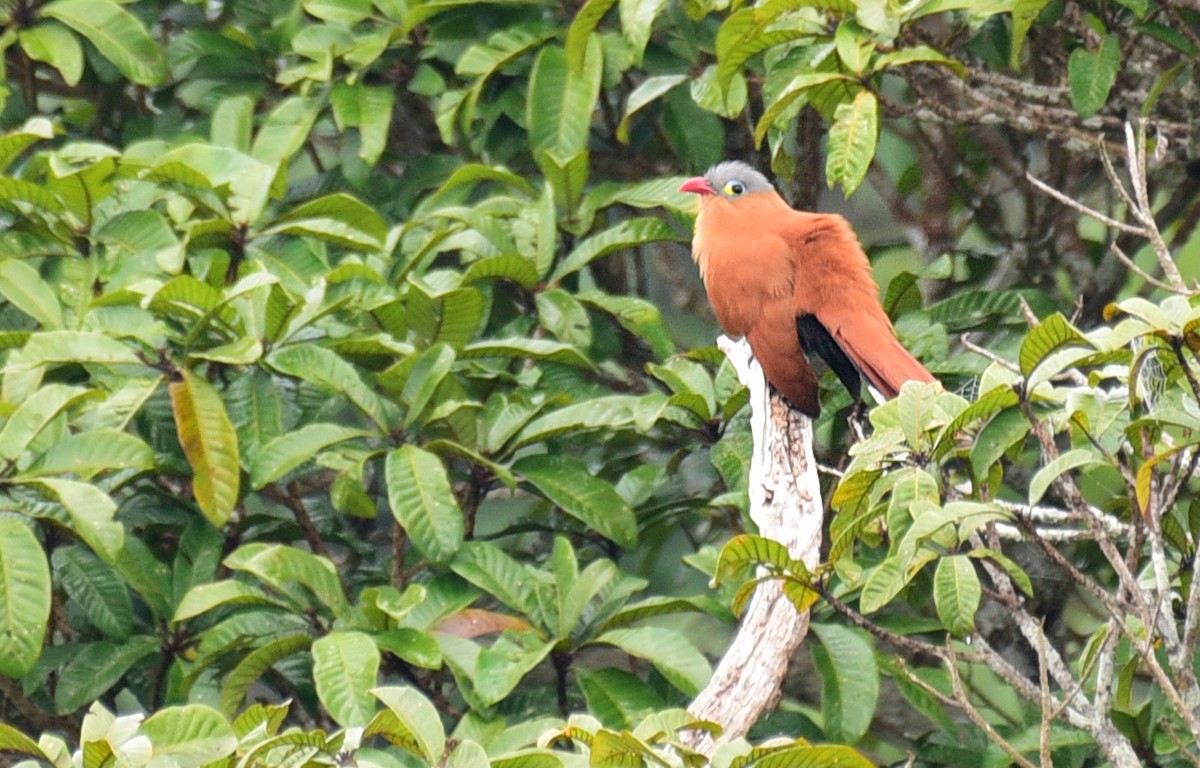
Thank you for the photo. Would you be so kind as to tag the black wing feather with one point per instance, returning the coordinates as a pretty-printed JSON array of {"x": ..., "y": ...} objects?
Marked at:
[{"x": 815, "y": 339}]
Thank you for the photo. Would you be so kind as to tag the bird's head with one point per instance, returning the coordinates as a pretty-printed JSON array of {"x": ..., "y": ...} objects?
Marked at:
[{"x": 729, "y": 180}]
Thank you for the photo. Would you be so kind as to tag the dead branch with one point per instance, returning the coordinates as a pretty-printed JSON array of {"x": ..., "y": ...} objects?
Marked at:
[{"x": 785, "y": 503}]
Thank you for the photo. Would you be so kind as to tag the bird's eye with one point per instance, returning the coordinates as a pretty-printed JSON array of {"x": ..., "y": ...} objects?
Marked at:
[{"x": 734, "y": 188}]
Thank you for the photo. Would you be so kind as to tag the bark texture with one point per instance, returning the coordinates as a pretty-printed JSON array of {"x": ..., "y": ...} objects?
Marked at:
[{"x": 785, "y": 503}]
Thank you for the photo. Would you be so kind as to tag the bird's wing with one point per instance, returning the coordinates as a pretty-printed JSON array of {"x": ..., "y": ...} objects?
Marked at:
[
  {"x": 776, "y": 346},
  {"x": 870, "y": 341},
  {"x": 834, "y": 285},
  {"x": 815, "y": 339}
]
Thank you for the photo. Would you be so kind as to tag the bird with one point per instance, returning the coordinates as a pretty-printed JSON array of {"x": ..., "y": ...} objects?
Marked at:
[{"x": 795, "y": 284}]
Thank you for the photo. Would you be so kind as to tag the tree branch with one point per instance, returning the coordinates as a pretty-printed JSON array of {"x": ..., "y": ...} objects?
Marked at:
[{"x": 785, "y": 503}]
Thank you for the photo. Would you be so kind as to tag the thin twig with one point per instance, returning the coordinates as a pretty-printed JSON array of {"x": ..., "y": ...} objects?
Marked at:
[
  {"x": 1081, "y": 208},
  {"x": 1149, "y": 278},
  {"x": 971, "y": 346},
  {"x": 973, "y": 714}
]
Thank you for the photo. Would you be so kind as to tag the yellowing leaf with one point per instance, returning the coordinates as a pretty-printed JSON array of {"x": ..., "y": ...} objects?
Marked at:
[{"x": 210, "y": 444}]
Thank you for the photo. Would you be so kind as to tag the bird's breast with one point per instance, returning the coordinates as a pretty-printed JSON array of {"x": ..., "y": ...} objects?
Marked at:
[{"x": 743, "y": 267}]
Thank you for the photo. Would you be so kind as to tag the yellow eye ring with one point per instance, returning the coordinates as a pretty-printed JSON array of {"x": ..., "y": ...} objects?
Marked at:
[{"x": 734, "y": 188}]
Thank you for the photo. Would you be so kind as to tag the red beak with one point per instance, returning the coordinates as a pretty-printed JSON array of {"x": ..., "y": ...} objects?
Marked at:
[{"x": 699, "y": 185}]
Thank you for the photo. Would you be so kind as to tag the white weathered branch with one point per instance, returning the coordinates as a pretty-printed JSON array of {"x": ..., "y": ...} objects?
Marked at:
[{"x": 785, "y": 504}]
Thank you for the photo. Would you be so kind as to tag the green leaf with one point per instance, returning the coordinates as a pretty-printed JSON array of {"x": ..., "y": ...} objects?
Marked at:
[
  {"x": 97, "y": 668},
  {"x": 570, "y": 485},
  {"x": 501, "y": 668},
  {"x": 410, "y": 722},
  {"x": 196, "y": 305},
  {"x": 1073, "y": 459},
  {"x": 411, "y": 645},
  {"x": 615, "y": 696},
  {"x": 12, "y": 740},
  {"x": 987, "y": 406},
  {"x": 203, "y": 598},
  {"x": 608, "y": 413},
  {"x": 671, "y": 653},
  {"x": 24, "y": 598},
  {"x": 956, "y": 593},
  {"x": 514, "y": 267},
  {"x": 54, "y": 44},
  {"x": 852, "y": 140},
  {"x": 637, "y": 23},
  {"x": 728, "y": 102},
  {"x": 1091, "y": 75},
  {"x": 281, "y": 567},
  {"x": 846, "y": 662},
  {"x": 96, "y": 588},
  {"x": 327, "y": 370},
  {"x": 32, "y": 195},
  {"x": 854, "y": 46},
  {"x": 348, "y": 12},
  {"x": 918, "y": 54},
  {"x": 210, "y": 443},
  {"x": 744, "y": 34},
  {"x": 58, "y": 347},
  {"x": 247, "y": 178},
  {"x": 451, "y": 317},
  {"x": 117, "y": 35},
  {"x": 566, "y": 174},
  {"x": 822, "y": 756},
  {"x": 636, "y": 315},
  {"x": 887, "y": 580},
  {"x": 491, "y": 569},
  {"x": 255, "y": 664},
  {"x": 15, "y": 142},
  {"x": 646, "y": 93},
  {"x": 1006, "y": 429},
  {"x": 561, "y": 313},
  {"x": 630, "y": 233},
  {"x": 583, "y": 29},
  {"x": 233, "y": 123},
  {"x": 288, "y": 451},
  {"x": 423, "y": 503},
  {"x": 338, "y": 218},
  {"x": 145, "y": 235},
  {"x": 345, "y": 665},
  {"x": 1050, "y": 335},
  {"x": 527, "y": 349},
  {"x": 1014, "y": 571},
  {"x": 34, "y": 415},
  {"x": 85, "y": 454},
  {"x": 468, "y": 754},
  {"x": 561, "y": 99},
  {"x": 975, "y": 309},
  {"x": 370, "y": 109},
  {"x": 797, "y": 88},
  {"x": 424, "y": 378},
  {"x": 193, "y": 734},
  {"x": 1024, "y": 13},
  {"x": 91, "y": 511},
  {"x": 285, "y": 131}
]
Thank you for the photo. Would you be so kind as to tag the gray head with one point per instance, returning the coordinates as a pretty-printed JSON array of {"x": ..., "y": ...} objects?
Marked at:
[
  {"x": 733, "y": 178},
  {"x": 730, "y": 180}
]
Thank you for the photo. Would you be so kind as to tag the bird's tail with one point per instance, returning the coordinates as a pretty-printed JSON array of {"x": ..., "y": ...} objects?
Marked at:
[{"x": 889, "y": 365}]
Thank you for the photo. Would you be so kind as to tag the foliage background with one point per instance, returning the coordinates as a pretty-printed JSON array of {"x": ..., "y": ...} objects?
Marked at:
[{"x": 354, "y": 344}]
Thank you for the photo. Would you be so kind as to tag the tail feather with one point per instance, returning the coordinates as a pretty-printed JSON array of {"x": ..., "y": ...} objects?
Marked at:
[{"x": 872, "y": 344}]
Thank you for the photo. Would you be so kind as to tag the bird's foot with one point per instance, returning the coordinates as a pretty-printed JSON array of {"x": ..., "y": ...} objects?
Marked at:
[{"x": 857, "y": 420}]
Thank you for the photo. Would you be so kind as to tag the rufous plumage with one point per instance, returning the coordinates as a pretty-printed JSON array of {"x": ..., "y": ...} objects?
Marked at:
[{"x": 794, "y": 284}]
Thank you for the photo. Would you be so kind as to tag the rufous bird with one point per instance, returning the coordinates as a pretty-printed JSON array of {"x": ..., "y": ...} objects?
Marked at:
[{"x": 794, "y": 284}]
